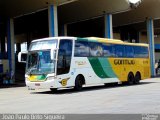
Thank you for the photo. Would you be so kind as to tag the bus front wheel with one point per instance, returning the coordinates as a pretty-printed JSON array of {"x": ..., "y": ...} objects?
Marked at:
[{"x": 78, "y": 83}]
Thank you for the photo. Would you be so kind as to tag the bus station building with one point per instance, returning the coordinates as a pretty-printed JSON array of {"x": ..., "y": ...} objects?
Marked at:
[{"x": 22, "y": 21}]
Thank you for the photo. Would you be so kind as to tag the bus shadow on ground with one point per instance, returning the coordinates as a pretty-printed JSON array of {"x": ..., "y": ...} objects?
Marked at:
[{"x": 90, "y": 88}]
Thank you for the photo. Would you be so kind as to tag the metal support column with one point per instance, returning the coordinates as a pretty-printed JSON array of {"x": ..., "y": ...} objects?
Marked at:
[
  {"x": 53, "y": 22},
  {"x": 150, "y": 34},
  {"x": 65, "y": 30},
  {"x": 108, "y": 26},
  {"x": 10, "y": 46},
  {"x": 2, "y": 38}
]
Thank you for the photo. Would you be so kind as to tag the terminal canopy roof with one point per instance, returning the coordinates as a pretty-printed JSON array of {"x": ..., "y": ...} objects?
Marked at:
[{"x": 76, "y": 8}]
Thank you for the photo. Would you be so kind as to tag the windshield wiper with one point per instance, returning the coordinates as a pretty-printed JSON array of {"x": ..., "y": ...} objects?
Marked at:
[{"x": 30, "y": 70}]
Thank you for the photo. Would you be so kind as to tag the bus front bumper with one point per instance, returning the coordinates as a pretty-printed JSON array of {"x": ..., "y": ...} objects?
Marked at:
[{"x": 42, "y": 85}]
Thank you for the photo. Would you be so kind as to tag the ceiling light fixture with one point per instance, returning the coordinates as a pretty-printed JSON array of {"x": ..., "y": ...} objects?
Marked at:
[{"x": 134, "y": 3}]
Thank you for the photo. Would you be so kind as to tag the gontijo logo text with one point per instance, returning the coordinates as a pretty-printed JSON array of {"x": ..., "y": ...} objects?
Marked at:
[{"x": 124, "y": 62}]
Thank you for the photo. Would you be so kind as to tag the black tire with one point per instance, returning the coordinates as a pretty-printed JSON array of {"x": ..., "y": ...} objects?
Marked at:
[
  {"x": 137, "y": 78},
  {"x": 78, "y": 83},
  {"x": 130, "y": 80},
  {"x": 53, "y": 89}
]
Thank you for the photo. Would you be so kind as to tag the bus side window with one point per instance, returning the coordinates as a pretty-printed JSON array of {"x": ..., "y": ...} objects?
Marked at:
[
  {"x": 81, "y": 49},
  {"x": 108, "y": 50},
  {"x": 145, "y": 53},
  {"x": 64, "y": 57},
  {"x": 120, "y": 51},
  {"x": 137, "y": 52},
  {"x": 96, "y": 49},
  {"x": 129, "y": 51},
  {"x": 141, "y": 52}
]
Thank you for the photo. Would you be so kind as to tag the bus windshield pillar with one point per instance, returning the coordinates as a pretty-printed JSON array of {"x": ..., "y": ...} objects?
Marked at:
[
  {"x": 53, "y": 22},
  {"x": 150, "y": 35},
  {"x": 108, "y": 26}
]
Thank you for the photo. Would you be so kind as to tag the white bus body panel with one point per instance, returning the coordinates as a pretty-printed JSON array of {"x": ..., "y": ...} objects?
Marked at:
[{"x": 78, "y": 66}]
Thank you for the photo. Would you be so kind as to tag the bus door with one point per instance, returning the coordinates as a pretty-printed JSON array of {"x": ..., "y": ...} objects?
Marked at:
[{"x": 64, "y": 62}]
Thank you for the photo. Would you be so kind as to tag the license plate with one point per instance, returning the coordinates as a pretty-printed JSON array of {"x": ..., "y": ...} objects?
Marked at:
[{"x": 37, "y": 84}]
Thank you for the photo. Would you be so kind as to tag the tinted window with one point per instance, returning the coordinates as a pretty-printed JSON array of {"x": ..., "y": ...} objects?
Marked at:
[
  {"x": 129, "y": 51},
  {"x": 64, "y": 56},
  {"x": 141, "y": 52},
  {"x": 81, "y": 49},
  {"x": 108, "y": 50},
  {"x": 137, "y": 52},
  {"x": 120, "y": 50},
  {"x": 145, "y": 52},
  {"x": 96, "y": 49}
]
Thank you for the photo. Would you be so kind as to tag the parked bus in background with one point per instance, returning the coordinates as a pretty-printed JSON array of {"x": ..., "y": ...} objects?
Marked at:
[{"x": 61, "y": 62}]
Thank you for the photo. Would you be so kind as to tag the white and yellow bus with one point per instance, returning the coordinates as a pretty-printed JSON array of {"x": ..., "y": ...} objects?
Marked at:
[{"x": 61, "y": 62}]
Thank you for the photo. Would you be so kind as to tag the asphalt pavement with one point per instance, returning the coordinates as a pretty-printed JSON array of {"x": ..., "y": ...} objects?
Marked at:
[{"x": 137, "y": 99}]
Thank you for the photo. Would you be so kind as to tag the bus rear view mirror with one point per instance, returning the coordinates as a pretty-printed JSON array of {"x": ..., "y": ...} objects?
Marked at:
[{"x": 22, "y": 57}]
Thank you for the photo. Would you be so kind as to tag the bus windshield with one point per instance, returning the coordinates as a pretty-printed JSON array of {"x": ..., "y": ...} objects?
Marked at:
[
  {"x": 39, "y": 57},
  {"x": 39, "y": 62}
]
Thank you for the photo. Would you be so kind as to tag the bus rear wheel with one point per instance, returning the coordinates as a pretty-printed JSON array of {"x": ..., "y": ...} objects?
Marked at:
[
  {"x": 78, "y": 83},
  {"x": 137, "y": 78},
  {"x": 130, "y": 79}
]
